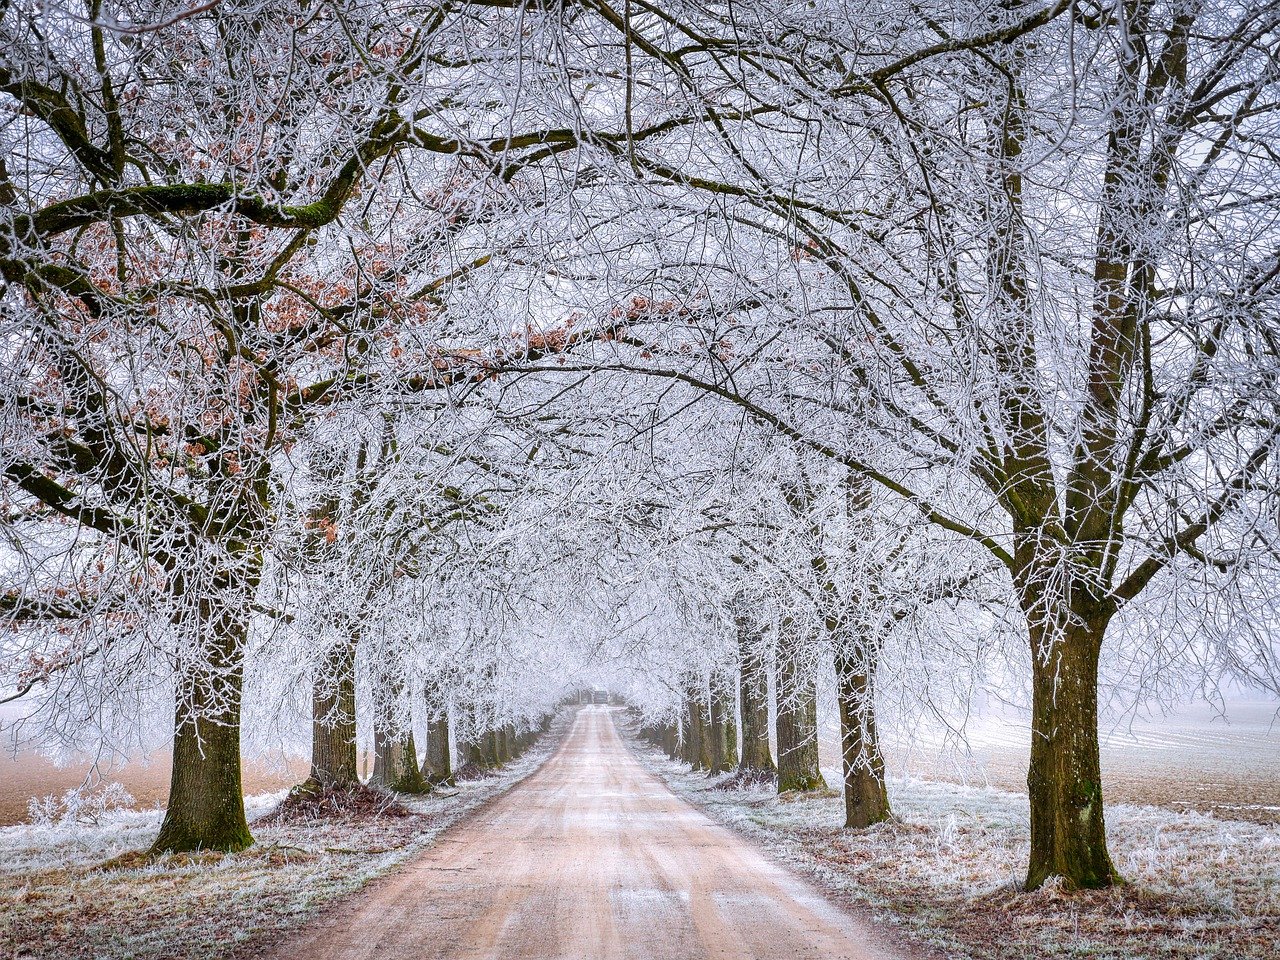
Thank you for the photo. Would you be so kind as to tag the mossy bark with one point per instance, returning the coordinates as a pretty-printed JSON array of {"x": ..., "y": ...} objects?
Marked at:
[
  {"x": 395, "y": 762},
  {"x": 333, "y": 720},
  {"x": 437, "y": 766},
  {"x": 395, "y": 756},
  {"x": 723, "y": 732},
  {"x": 753, "y": 690},
  {"x": 507, "y": 744},
  {"x": 796, "y": 726},
  {"x": 1064, "y": 780},
  {"x": 206, "y": 799},
  {"x": 697, "y": 750},
  {"x": 730, "y": 732},
  {"x": 492, "y": 748},
  {"x": 866, "y": 799}
]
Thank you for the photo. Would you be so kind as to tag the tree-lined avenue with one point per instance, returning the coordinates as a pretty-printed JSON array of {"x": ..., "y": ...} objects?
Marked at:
[{"x": 590, "y": 857}]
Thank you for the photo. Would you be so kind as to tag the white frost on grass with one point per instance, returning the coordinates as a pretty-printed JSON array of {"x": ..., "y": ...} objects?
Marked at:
[
  {"x": 949, "y": 866},
  {"x": 63, "y": 839},
  {"x": 61, "y": 895}
]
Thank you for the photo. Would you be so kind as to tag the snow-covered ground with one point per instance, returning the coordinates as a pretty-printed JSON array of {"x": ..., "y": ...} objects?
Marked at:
[
  {"x": 947, "y": 871},
  {"x": 78, "y": 889}
]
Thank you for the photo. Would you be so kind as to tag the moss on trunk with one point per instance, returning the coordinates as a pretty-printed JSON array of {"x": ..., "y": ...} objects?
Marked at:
[
  {"x": 797, "y": 725},
  {"x": 753, "y": 689},
  {"x": 437, "y": 766},
  {"x": 866, "y": 799},
  {"x": 206, "y": 799},
  {"x": 1064, "y": 780}
]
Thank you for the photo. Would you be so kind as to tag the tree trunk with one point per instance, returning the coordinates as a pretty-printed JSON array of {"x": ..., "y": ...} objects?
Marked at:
[
  {"x": 697, "y": 748},
  {"x": 797, "y": 724},
  {"x": 508, "y": 743},
  {"x": 395, "y": 762},
  {"x": 671, "y": 741},
  {"x": 866, "y": 801},
  {"x": 688, "y": 750},
  {"x": 754, "y": 692},
  {"x": 1064, "y": 781},
  {"x": 395, "y": 758},
  {"x": 333, "y": 720},
  {"x": 723, "y": 732},
  {"x": 492, "y": 748},
  {"x": 715, "y": 736},
  {"x": 437, "y": 766},
  {"x": 206, "y": 800}
]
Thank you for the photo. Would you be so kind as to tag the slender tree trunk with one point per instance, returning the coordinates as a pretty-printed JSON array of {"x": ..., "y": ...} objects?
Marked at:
[
  {"x": 866, "y": 800},
  {"x": 206, "y": 800},
  {"x": 1064, "y": 781},
  {"x": 333, "y": 720},
  {"x": 797, "y": 721},
  {"x": 754, "y": 693}
]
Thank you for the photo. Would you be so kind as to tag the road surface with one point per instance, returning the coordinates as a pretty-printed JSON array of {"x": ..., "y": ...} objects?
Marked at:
[{"x": 590, "y": 858}]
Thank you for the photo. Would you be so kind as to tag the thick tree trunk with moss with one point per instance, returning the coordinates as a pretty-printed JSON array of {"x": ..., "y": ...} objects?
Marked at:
[
  {"x": 395, "y": 763},
  {"x": 491, "y": 748},
  {"x": 508, "y": 744},
  {"x": 1064, "y": 780},
  {"x": 206, "y": 799},
  {"x": 688, "y": 746},
  {"x": 866, "y": 799},
  {"x": 796, "y": 726},
  {"x": 715, "y": 735},
  {"x": 730, "y": 732},
  {"x": 395, "y": 757},
  {"x": 753, "y": 690}
]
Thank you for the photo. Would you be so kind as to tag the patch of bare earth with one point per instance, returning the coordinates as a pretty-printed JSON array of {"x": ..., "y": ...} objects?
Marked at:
[{"x": 947, "y": 872}]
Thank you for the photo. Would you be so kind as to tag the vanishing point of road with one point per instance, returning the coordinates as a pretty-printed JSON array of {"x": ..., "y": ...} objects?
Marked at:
[{"x": 589, "y": 858}]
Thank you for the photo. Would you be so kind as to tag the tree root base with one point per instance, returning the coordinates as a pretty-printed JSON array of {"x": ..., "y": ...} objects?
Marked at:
[
  {"x": 309, "y": 802},
  {"x": 747, "y": 779},
  {"x": 474, "y": 771}
]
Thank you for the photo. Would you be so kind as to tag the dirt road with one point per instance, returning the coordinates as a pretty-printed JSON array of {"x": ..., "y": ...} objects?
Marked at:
[{"x": 591, "y": 858}]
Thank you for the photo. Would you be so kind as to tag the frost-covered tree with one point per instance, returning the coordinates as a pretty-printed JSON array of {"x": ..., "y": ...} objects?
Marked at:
[
  {"x": 1033, "y": 248},
  {"x": 226, "y": 221}
]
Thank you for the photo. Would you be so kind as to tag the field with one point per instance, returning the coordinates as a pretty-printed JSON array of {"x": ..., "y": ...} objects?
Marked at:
[{"x": 1191, "y": 760}]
